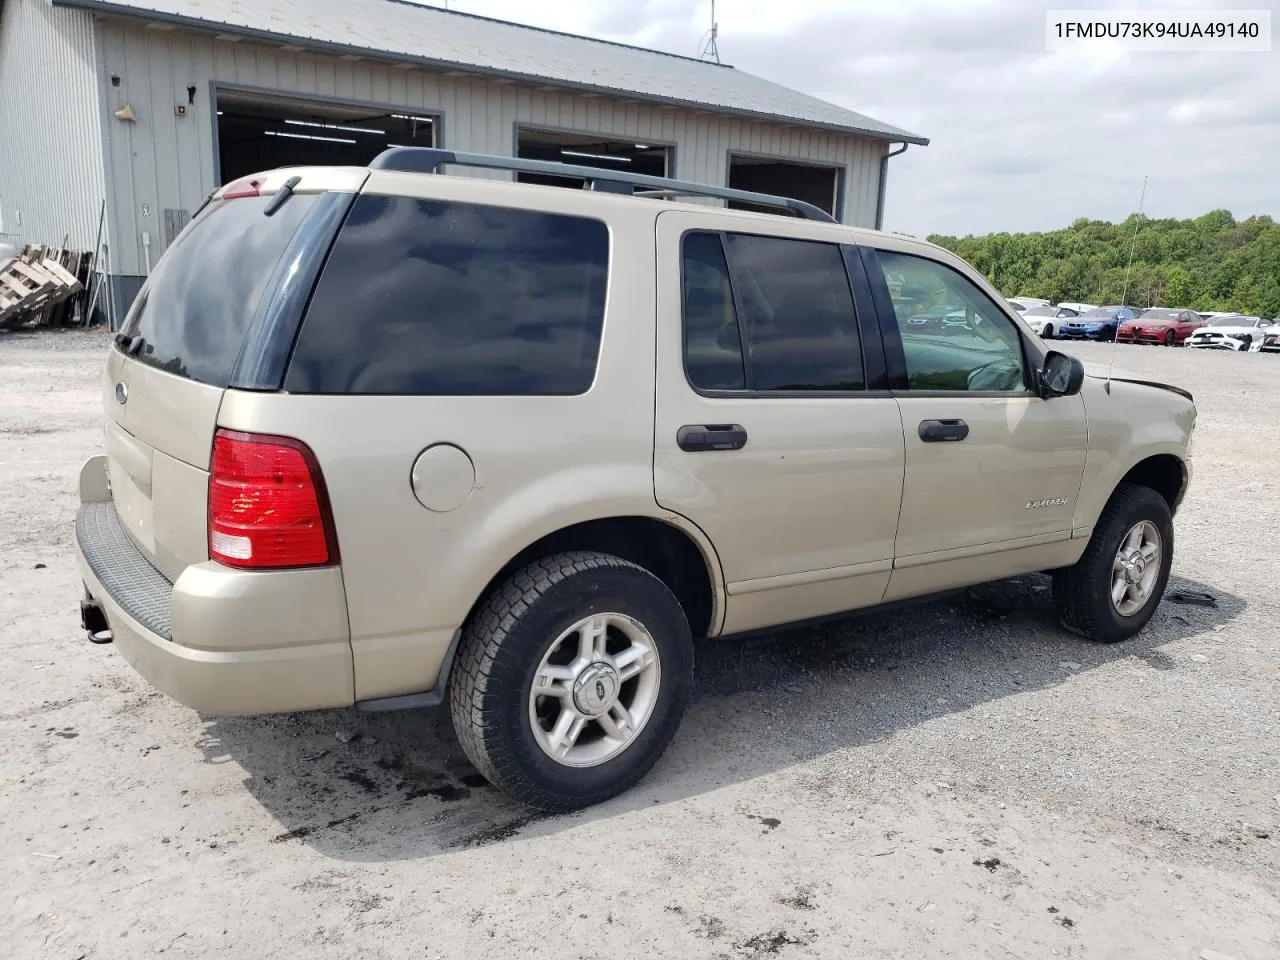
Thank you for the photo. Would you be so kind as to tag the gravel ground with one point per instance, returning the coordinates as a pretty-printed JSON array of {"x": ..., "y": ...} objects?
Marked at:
[{"x": 961, "y": 780}]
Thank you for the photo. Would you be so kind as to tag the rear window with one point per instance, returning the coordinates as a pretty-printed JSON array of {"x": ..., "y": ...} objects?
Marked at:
[
  {"x": 194, "y": 309},
  {"x": 432, "y": 297},
  {"x": 789, "y": 303}
]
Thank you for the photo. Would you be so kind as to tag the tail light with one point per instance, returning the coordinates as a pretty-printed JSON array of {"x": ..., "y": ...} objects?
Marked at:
[{"x": 268, "y": 507}]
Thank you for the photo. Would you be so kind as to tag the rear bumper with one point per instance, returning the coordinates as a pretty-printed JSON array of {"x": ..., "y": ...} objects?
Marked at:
[{"x": 222, "y": 641}]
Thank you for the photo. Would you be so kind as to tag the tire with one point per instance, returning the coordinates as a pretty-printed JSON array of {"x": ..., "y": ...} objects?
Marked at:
[
  {"x": 1048, "y": 332},
  {"x": 1170, "y": 338},
  {"x": 1244, "y": 347},
  {"x": 518, "y": 633},
  {"x": 1082, "y": 594}
]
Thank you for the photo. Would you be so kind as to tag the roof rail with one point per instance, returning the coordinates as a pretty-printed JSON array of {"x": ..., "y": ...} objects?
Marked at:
[{"x": 430, "y": 159}]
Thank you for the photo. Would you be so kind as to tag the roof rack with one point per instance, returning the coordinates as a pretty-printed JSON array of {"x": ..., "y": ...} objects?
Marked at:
[{"x": 430, "y": 159}]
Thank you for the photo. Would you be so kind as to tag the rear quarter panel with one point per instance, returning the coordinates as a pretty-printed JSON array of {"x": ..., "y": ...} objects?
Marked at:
[{"x": 541, "y": 463}]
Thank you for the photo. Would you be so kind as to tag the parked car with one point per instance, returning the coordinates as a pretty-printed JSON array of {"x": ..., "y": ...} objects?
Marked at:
[
  {"x": 1100, "y": 323},
  {"x": 1023, "y": 304},
  {"x": 1045, "y": 321},
  {"x": 1270, "y": 342},
  {"x": 1160, "y": 325},
  {"x": 624, "y": 423},
  {"x": 957, "y": 321},
  {"x": 932, "y": 318},
  {"x": 1228, "y": 333}
]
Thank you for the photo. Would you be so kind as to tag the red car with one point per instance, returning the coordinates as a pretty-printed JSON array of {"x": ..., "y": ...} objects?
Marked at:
[{"x": 1159, "y": 325}]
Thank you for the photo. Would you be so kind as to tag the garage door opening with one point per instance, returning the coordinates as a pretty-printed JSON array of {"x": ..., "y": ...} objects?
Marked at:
[
  {"x": 589, "y": 151},
  {"x": 259, "y": 132},
  {"x": 812, "y": 183}
]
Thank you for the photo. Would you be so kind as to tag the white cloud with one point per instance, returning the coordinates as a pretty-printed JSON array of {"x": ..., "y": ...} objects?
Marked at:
[{"x": 1021, "y": 139}]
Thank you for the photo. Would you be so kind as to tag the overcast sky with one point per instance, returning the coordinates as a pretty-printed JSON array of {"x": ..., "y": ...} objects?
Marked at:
[{"x": 1021, "y": 139}]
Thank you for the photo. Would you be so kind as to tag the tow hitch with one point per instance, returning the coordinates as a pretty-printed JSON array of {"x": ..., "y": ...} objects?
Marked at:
[{"x": 94, "y": 622}]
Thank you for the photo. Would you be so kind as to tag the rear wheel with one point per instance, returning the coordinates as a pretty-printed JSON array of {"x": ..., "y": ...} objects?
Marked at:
[
  {"x": 1170, "y": 338},
  {"x": 1111, "y": 593},
  {"x": 571, "y": 680}
]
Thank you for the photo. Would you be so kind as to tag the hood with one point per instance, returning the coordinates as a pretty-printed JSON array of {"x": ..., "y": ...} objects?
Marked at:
[
  {"x": 1148, "y": 323},
  {"x": 1098, "y": 371}
]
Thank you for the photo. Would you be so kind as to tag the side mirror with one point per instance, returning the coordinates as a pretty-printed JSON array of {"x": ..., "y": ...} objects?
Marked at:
[{"x": 1061, "y": 376}]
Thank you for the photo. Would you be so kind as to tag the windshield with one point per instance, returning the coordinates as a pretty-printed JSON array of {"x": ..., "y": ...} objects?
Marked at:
[
  {"x": 1231, "y": 322},
  {"x": 1042, "y": 312},
  {"x": 1159, "y": 314},
  {"x": 1105, "y": 313}
]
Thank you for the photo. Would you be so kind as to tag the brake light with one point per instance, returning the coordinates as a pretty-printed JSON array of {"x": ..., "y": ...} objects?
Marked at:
[
  {"x": 268, "y": 507},
  {"x": 248, "y": 187}
]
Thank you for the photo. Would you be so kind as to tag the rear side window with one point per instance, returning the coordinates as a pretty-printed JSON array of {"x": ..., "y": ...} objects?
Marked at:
[
  {"x": 788, "y": 302},
  {"x": 432, "y": 297},
  {"x": 712, "y": 343},
  {"x": 194, "y": 309}
]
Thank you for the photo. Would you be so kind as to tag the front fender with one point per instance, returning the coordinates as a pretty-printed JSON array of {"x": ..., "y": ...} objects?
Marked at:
[{"x": 1128, "y": 425}]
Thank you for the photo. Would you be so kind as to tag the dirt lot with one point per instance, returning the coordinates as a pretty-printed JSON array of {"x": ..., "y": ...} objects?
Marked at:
[{"x": 963, "y": 780}]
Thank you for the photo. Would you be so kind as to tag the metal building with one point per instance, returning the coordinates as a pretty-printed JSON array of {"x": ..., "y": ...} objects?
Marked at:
[{"x": 143, "y": 107}]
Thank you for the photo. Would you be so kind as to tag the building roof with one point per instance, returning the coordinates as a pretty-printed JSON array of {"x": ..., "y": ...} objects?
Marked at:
[{"x": 398, "y": 30}]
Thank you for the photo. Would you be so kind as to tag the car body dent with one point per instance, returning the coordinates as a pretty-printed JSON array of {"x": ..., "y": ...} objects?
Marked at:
[{"x": 1129, "y": 422}]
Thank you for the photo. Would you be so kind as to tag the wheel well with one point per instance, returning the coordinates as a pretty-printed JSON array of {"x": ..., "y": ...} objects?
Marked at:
[
  {"x": 1164, "y": 474},
  {"x": 665, "y": 551}
]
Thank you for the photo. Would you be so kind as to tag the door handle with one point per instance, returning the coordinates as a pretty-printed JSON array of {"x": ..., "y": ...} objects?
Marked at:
[
  {"x": 943, "y": 431},
  {"x": 699, "y": 438}
]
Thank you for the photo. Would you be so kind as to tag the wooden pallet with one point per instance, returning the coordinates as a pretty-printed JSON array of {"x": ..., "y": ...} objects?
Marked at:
[{"x": 36, "y": 288}]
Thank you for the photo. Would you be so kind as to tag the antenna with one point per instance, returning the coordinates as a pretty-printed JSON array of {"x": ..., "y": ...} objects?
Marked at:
[
  {"x": 709, "y": 50},
  {"x": 1124, "y": 295}
]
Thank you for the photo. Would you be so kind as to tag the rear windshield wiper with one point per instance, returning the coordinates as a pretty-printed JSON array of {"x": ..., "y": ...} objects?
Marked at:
[
  {"x": 130, "y": 344},
  {"x": 282, "y": 195}
]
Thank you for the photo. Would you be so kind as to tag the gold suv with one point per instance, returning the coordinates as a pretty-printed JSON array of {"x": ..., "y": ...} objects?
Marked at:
[{"x": 383, "y": 438}]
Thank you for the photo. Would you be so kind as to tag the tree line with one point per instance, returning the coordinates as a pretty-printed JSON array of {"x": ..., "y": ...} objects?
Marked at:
[{"x": 1213, "y": 262}]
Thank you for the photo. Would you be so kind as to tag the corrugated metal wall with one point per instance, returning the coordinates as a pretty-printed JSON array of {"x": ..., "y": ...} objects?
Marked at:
[
  {"x": 165, "y": 161},
  {"x": 51, "y": 174}
]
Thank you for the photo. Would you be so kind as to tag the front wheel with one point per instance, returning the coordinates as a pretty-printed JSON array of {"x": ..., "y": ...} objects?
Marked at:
[
  {"x": 571, "y": 680},
  {"x": 1048, "y": 332},
  {"x": 1170, "y": 338},
  {"x": 1245, "y": 345},
  {"x": 1114, "y": 589}
]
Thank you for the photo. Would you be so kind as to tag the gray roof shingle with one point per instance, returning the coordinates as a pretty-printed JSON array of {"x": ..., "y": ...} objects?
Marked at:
[{"x": 398, "y": 30}]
